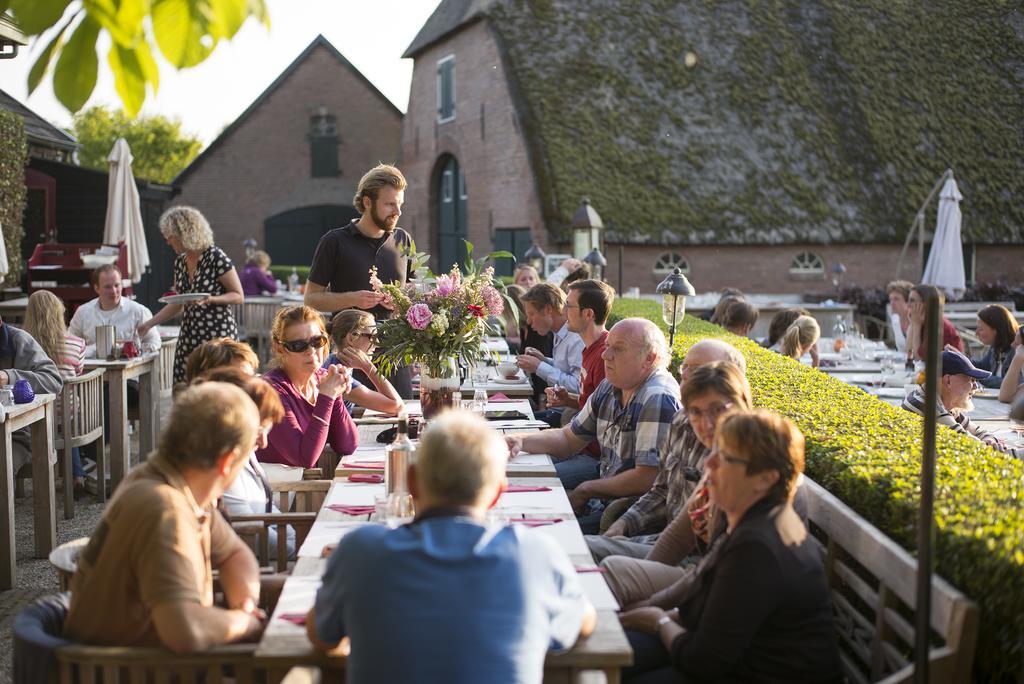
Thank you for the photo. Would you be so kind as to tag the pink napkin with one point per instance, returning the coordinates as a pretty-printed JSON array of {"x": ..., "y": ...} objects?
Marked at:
[
  {"x": 348, "y": 509},
  {"x": 370, "y": 465},
  {"x": 513, "y": 488},
  {"x": 589, "y": 568},
  {"x": 499, "y": 396},
  {"x": 536, "y": 522},
  {"x": 371, "y": 478},
  {"x": 294, "y": 618}
]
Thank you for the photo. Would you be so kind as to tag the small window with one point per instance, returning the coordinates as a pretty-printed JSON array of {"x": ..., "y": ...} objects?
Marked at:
[
  {"x": 323, "y": 144},
  {"x": 446, "y": 89},
  {"x": 514, "y": 240},
  {"x": 807, "y": 263},
  {"x": 669, "y": 261},
  {"x": 462, "y": 185},
  {"x": 446, "y": 186}
]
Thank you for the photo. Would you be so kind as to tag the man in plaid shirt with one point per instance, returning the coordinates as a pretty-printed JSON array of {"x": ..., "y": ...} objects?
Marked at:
[
  {"x": 629, "y": 415},
  {"x": 683, "y": 459}
]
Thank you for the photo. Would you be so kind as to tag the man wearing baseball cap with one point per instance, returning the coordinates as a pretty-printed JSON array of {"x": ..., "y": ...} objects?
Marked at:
[{"x": 958, "y": 383}]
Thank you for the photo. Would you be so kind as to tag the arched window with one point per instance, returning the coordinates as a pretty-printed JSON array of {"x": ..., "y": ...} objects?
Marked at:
[
  {"x": 807, "y": 263},
  {"x": 670, "y": 260}
]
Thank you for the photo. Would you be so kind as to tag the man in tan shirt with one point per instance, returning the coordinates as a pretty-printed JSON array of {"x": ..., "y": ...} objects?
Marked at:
[{"x": 145, "y": 579}]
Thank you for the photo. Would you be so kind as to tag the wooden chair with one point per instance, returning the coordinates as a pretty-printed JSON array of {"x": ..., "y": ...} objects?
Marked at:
[
  {"x": 259, "y": 318},
  {"x": 81, "y": 422},
  {"x": 255, "y": 531},
  {"x": 112, "y": 665},
  {"x": 308, "y": 496},
  {"x": 873, "y": 583}
]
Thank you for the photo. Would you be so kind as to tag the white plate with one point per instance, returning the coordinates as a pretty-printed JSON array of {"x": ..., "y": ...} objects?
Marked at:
[
  {"x": 509, "y": 381},
  {"x": 184, "y": 298}
]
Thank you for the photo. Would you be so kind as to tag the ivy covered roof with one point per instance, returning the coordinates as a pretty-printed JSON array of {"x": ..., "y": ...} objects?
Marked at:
[{"x": 767, "y": 121}]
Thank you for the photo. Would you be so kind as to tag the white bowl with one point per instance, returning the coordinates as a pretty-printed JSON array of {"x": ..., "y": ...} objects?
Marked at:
[
  {"x": 508, "y": 370},
  {"x": 97, "y": 260}
]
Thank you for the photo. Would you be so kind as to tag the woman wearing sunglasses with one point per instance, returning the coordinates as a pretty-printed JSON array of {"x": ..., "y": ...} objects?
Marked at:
[
  {"x": 354, "y": 333},
  {"x": 314, "y": 408}
]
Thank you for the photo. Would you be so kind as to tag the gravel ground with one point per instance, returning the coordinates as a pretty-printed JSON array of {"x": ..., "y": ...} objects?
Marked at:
[{"x": 36, "y": 576}]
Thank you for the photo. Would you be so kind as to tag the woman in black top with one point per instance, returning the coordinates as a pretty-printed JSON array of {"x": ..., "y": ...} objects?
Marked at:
[{"x": 758, "y": 609}]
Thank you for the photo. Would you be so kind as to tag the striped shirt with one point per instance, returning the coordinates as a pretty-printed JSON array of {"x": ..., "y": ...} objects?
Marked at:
[
  {"x": 960, "y": 423},
  {"x": 681, "y": 470},
  {"x": 70, "y": 363}
]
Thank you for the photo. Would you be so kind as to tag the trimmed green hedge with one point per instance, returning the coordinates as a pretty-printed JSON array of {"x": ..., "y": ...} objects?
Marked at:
[
  {"x": 13, "y": 157},
  {"x": 868, "y": 453},
  {"x": 282, "y": 272}
]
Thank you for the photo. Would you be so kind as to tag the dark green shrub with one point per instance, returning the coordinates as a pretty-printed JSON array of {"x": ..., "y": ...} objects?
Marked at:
[
  {"x": 281, "y": 272},
  {"x": 868, "y": 453},
  {"x": 13, "y": 157}
]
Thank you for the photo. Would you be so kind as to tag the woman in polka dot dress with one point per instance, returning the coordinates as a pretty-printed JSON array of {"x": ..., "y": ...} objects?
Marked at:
[{"x": 200, "y": 266}]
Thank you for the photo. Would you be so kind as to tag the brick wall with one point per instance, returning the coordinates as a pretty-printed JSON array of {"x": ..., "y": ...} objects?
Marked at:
[
  {"x": 484, "y": 137},
  {"x": 262, "y": 168},
  {"x": 766, "y": 269}
]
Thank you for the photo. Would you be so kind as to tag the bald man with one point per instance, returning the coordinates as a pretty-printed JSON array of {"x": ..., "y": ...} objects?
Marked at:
[{"x": 628, "y": 414}]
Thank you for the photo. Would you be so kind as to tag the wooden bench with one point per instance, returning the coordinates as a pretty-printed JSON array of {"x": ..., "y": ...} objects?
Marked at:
[{"x": 873, "y": 582}]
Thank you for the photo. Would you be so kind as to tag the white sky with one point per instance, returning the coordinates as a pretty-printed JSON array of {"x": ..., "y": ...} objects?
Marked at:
[{"x": 372, "y": 34}]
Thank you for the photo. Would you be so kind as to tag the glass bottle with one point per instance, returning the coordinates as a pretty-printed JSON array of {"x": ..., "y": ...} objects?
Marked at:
[{"x": 399, "y": 456}]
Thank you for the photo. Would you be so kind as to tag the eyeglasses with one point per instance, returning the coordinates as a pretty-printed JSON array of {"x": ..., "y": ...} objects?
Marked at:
[
  {"x": 370, "y": 335},
  {"x": 299, "y": 346},
  {"x": 713, "y": 412},
  {"x": 726, "y": 458}
]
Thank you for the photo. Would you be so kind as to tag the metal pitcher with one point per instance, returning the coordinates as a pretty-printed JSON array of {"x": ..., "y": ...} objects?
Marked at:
[{"x": 105, "y": 335}]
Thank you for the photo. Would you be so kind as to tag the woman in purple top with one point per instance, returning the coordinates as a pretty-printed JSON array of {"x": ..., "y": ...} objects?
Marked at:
[
  {"x": 256, "y": 278},
  {"x": 314, "y": 406}
]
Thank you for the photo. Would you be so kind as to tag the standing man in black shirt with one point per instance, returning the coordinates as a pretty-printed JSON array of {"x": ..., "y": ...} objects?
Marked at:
[{"x": 340, "y": 275}]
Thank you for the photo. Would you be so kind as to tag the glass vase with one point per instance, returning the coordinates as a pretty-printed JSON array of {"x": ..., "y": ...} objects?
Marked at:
[{"x": 438, "y": 386}]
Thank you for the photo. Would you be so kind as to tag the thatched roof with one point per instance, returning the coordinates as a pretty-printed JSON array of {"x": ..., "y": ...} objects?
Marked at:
[{"x": 793, "y": 121}]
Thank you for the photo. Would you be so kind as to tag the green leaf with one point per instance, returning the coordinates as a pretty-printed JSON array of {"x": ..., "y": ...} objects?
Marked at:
[
  {"x": 150, "y": 71},
  {"x": 43, "y": 62},
  {"x": 123, "y": 21},
  {"x": 128, "y": 78},
  {"x": 181, "y": 31},
  {"x": 75, "y": 75},
  {"x": 227, "y": 16},
  {"x": 35, "y": 16}
]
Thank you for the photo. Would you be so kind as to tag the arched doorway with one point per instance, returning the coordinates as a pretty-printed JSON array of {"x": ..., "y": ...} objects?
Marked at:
[
  {"x": 291, "y": 237},
  {"x": 451, "y": 198}
]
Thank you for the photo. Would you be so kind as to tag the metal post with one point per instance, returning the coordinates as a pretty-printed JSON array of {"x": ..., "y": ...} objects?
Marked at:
[
  {"x": 926, "y": 521},
  {"x": 672, "y": 328},
  {"x": 621, "y": 290}
]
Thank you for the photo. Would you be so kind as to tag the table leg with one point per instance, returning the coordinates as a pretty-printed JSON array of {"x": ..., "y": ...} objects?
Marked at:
[
  {"x": 119, "y": 450},
  {"x": 42, "y": 484},
  {"x": 7, "y": 551},
  {"x": 147, "y": 415}
]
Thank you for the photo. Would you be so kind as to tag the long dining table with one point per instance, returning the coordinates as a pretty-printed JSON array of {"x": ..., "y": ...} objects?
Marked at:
[{"x": 541, "y": 503}]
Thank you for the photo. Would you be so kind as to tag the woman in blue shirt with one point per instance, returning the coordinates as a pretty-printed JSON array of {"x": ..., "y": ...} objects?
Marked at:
[{"x": 996, "y": 328}]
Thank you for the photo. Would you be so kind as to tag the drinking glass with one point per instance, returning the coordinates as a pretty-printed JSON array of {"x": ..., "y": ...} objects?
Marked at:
[
  {"x": 400, "y": 509},
  {"x": 888, "y": 365},
  {"x": 481, "y": 373},
  {"x": 479, "y": 404}
]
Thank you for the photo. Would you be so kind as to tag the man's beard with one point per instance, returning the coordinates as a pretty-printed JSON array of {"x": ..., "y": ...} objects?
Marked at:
[{"x": 381, "y": 223}]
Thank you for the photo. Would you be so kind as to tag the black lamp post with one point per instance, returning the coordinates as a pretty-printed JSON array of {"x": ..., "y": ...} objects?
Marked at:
[
  {"x": 597, "y": 263},
  {"x": 838, "y": 271},
  {"x": 674, "y": 290},
  {"x": 535, "y": 257}
]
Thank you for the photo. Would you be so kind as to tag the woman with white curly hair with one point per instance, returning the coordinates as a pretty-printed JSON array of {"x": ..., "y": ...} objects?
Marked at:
[{"x": 202, "y": 267}]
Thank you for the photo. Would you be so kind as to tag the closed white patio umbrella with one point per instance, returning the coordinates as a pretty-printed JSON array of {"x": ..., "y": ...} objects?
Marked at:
[
  {"x": 124, "y": 214},
  {"x": 945, "y": 267}
]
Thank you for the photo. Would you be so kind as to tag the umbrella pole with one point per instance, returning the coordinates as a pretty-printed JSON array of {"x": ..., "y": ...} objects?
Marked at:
[
  {"x": 926, "y": 521},
  {"x": 918, "y": 227}
]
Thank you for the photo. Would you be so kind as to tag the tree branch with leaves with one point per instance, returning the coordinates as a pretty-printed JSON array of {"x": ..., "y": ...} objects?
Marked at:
[{"x": 184, "y": 31}]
